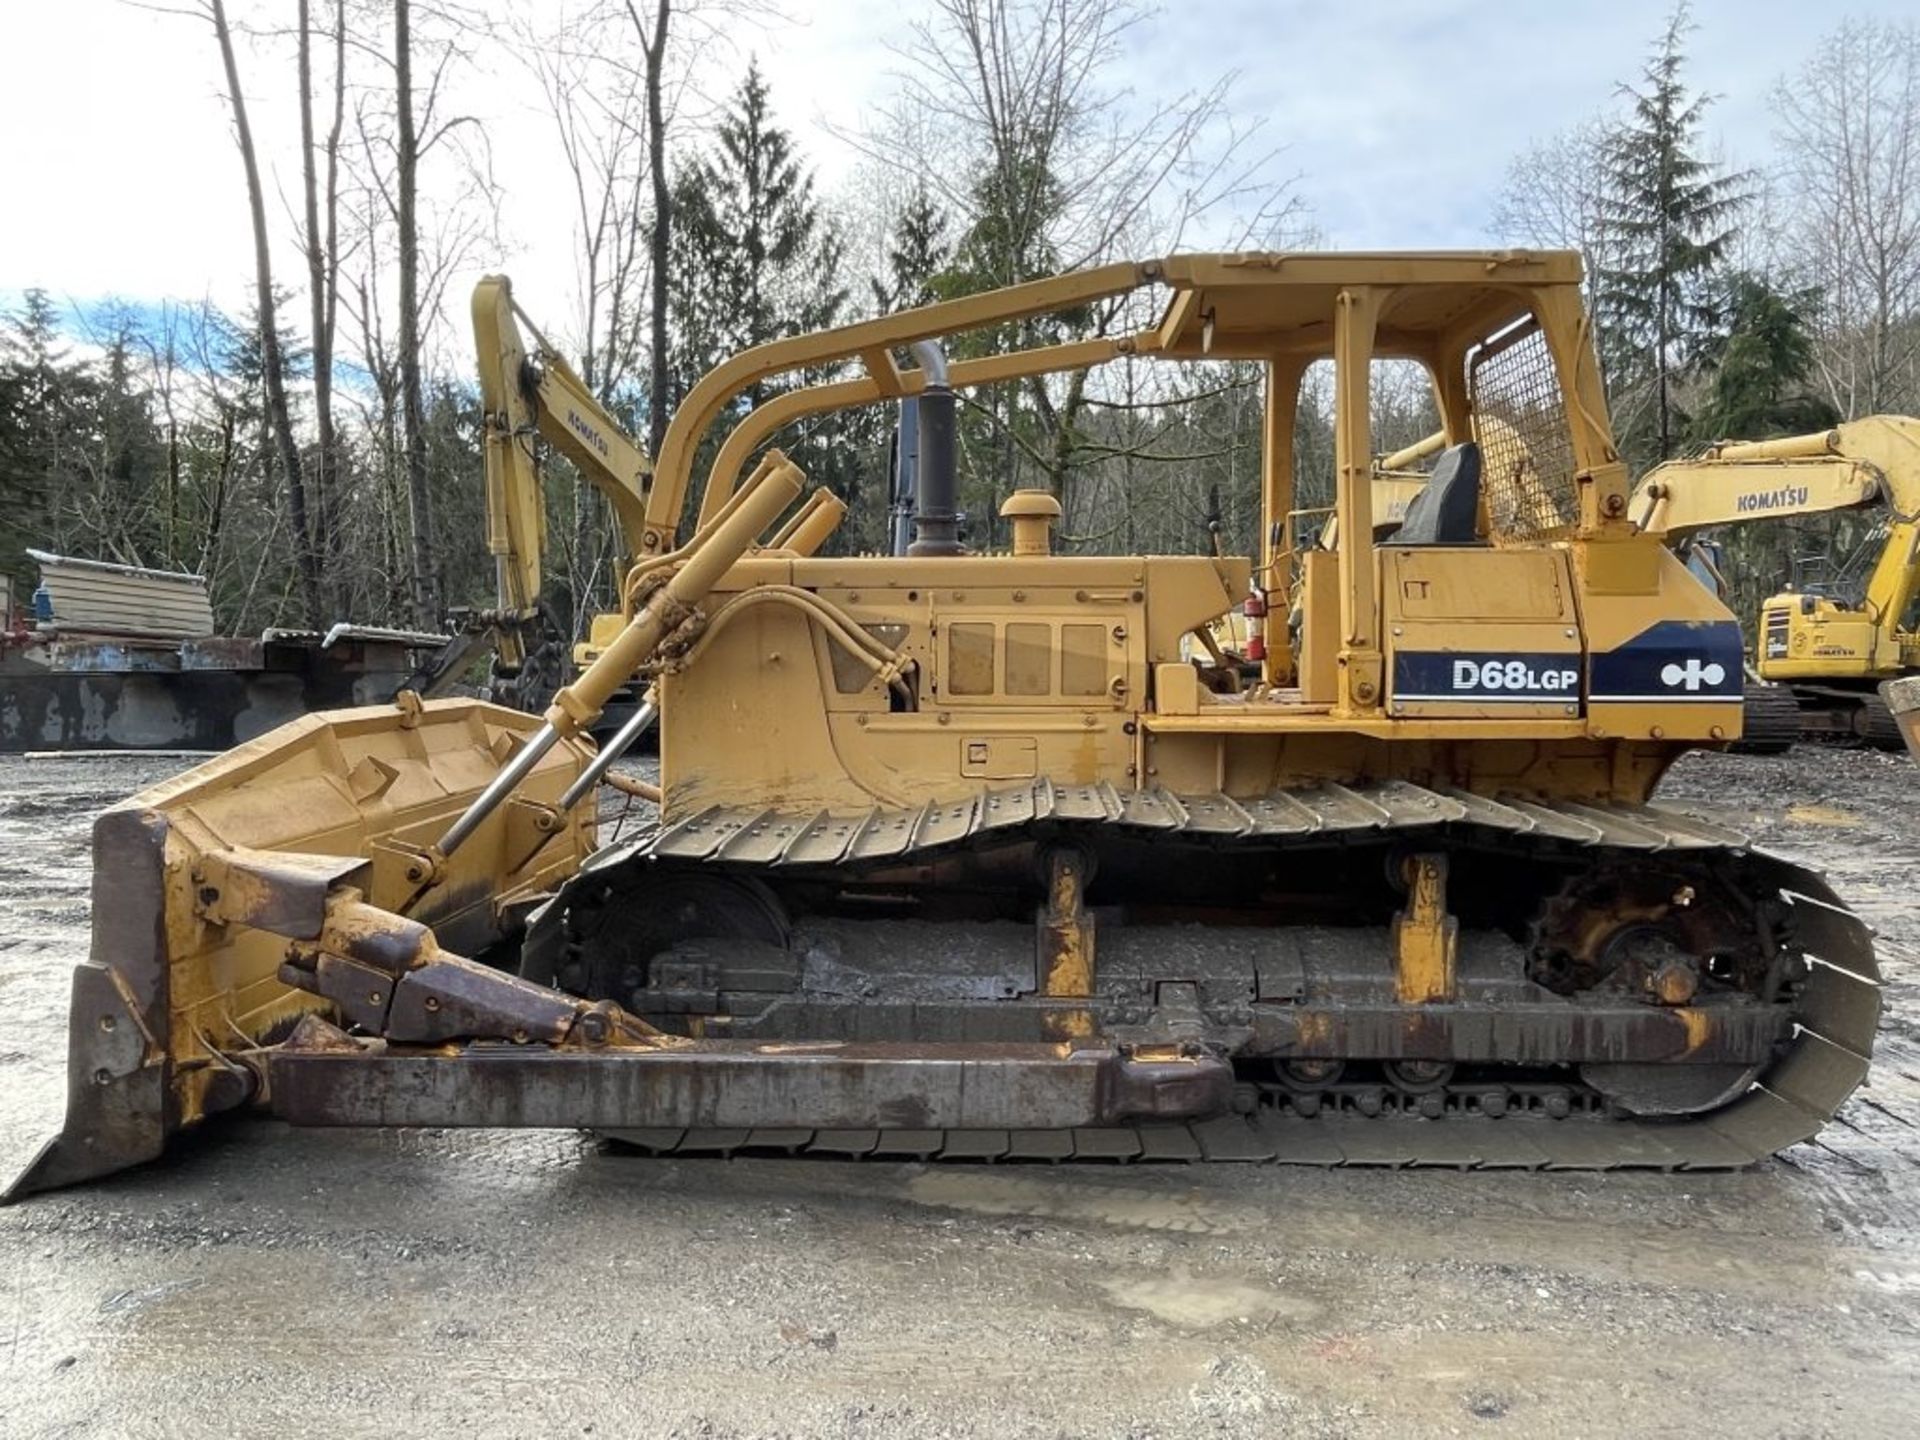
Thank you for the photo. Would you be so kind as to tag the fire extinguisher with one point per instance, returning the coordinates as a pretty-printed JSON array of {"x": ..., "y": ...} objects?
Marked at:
[{"x": 1255, "y": 609}]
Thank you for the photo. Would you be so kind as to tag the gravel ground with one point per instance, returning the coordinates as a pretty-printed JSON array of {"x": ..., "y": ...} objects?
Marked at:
[{"x": 266, "y": 1280}]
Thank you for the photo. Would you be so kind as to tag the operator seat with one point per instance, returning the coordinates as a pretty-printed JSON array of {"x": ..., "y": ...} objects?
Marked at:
[{"x": 1444, "y": 512}]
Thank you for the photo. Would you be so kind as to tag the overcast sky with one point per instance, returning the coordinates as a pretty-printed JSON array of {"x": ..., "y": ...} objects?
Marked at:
[{"x": 1398, "y": 118}]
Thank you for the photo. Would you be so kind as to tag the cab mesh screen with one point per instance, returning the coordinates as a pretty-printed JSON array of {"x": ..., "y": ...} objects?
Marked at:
[{"x": 1519, "y": 418}]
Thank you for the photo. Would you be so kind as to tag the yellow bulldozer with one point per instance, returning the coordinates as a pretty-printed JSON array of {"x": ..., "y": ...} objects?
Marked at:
[{"x": 960, "y": 855}]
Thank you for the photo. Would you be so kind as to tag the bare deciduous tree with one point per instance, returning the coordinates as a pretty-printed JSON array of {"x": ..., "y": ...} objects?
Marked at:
[
  {"x": 1553, "y": 196},
  {"x": 1012, "y": 111},
  {"x": 1018, "y": 101},
  {"x": 278, "y": 412},
  {"x": 1850, "y": 123},
  {"x": 652, "y": 37},
  {"x": 598, "y": 107},
  {"x": 426, "y": 582},
  {"x": 320, "y": 240}
]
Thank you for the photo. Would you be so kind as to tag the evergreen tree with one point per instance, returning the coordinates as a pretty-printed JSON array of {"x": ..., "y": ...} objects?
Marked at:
[
  {"x": 1758, "y": 386},
  {"x": 1669, "y": 214},
  {"x": 46, "y": 404},
  {"x": 455, "y": 458},
  {"x": 22, "y": 492},
  {"x": 1759, "y": 371},
  {"x": 124, "y": 458},
  {"x": 754, "y": 259},
  {"x": 1017, "y": 200},
  {"x": 916, "y": 255}
]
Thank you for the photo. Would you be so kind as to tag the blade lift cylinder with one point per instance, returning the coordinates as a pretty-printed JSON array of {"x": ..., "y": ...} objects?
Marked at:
[{"x": 770, "y": 490}]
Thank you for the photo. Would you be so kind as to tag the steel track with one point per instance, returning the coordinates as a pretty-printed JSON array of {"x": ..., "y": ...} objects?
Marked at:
[{"x": 1835, "y": 1018}]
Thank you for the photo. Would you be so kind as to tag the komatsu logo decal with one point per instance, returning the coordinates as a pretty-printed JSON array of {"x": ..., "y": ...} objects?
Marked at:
[
  {"x": 1693, "y": 674},
  {"x": 1502, "y": 677},
  {"x": 1759, "y": 501}
]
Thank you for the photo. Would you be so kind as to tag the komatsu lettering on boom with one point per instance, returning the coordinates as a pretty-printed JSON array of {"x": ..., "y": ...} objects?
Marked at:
[{"x": 1792, "y": 497}]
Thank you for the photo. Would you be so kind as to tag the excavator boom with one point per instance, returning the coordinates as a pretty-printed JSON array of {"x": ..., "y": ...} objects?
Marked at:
[
  {"x": 529, "y": 396},
  {"x": 1830, "y": 645}
]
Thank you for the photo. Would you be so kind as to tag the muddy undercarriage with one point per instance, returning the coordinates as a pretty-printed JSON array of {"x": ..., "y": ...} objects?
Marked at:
[{"x": 1647, "y": 981}]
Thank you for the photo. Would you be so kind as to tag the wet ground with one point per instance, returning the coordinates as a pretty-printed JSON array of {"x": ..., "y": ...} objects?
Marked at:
[{"x": 270, "y": 1281}]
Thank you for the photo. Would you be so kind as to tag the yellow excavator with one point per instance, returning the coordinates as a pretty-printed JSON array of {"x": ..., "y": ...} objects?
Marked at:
[
  {"x": 530, "y": 396},
  {"x": 961, "y": 856},
  {"x": 1835, "y": 635}
]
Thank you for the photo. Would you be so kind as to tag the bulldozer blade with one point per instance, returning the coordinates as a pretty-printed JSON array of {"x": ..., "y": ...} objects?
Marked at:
[
  {"x": 116, "y": 1069},
  {"x": 198, "y": 882},
  {"x": 1903, "y": 699}
]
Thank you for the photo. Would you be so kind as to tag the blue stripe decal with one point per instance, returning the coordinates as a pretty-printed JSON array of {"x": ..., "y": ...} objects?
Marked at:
[{"x": 1675, "y": 660}]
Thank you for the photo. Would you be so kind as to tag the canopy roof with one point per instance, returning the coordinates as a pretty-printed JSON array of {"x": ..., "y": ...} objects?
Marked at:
[{"x": 1260, "y": 304}]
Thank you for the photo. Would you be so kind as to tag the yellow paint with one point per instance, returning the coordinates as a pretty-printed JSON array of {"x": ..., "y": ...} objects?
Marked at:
[
  {"x": 1425, "y": 936},
  {"x": 1699, "y": 1026},
  {"x": 1066, "y": 931},
  {"x": 1811, "y": 814},
  {"x": 1069, "y": 1024},
  {"x": 290, "y": 796}
]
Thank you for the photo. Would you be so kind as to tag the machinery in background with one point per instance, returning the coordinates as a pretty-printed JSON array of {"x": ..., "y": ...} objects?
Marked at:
[
  {"x": 961, "y": 855},
  {"x": 115, "y": 657},
  {"x": 1840, "y": 629},
  {"x": 530, "y": 396}
]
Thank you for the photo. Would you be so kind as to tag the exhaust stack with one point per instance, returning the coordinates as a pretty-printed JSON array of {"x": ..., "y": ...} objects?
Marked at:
[{"x": 936, "y": 519}]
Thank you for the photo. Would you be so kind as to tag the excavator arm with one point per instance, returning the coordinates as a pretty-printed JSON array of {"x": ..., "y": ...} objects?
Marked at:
[
  {"x": 1869, "y": 462},
  {"x": 1828, "y": 648},
  {"x": 531, "y": 390},
  {"x": 529, "y": 393}
]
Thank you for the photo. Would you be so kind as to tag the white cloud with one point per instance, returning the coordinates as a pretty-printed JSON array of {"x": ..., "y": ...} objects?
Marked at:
[{"x": 1399, "y": 118}]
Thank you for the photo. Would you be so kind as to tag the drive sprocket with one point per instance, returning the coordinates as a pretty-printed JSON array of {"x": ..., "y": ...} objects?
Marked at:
[{"x": 1668, "y": 933}]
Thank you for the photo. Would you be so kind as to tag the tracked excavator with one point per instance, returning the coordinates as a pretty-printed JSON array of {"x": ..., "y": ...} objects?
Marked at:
[
  {"x": 532, "y": 398},
  {"x": 958, "y": 857},
  {"x": 1826, "y": 642}
]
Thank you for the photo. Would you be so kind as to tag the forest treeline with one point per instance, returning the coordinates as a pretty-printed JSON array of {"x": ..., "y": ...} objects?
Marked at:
[{"x": 317, "y": 455}]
